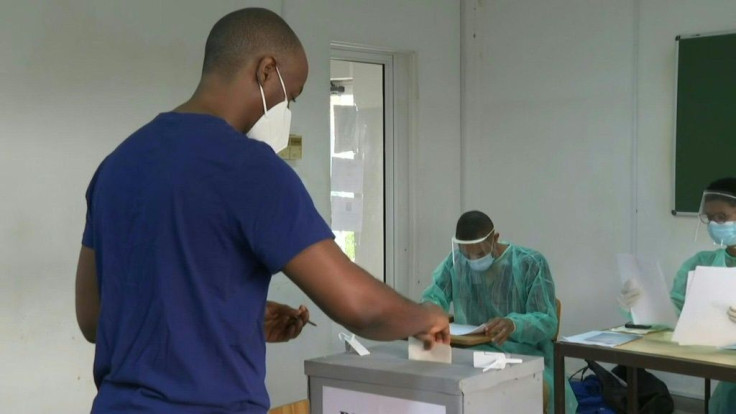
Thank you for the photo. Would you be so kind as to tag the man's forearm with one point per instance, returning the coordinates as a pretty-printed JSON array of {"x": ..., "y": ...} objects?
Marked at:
[{"x": 398, "y": 318}]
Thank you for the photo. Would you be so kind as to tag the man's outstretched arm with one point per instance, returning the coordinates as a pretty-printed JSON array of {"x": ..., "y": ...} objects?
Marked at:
[{"x": 355, "y": 299}]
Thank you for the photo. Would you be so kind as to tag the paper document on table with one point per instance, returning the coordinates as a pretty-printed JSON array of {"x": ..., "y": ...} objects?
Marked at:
[
  {"x": 460, "y": 329},
  {"x": 438, "y": 353},
  {"x": 654, "y": 306},
  {"x": 637, "y": 331},
  {"x": 602, "y": 338},
  {"x": 704, "y": 319}
]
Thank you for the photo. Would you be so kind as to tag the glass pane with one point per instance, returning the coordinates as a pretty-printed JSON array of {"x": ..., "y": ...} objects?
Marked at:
[{"x": 356, "y": 168}]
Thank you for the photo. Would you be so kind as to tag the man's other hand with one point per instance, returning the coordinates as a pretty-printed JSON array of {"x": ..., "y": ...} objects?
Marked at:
[{"x": 282, "y": 323}]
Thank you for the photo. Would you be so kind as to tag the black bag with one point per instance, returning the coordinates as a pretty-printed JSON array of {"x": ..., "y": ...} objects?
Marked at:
[{"x": 654, "y": 397}]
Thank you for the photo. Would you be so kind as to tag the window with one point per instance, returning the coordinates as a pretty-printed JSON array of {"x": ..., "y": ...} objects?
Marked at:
[{"x": 360, "y": 144}]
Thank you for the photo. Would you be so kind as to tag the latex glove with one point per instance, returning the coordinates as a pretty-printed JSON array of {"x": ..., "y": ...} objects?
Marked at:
[
  {"x": 630, "y": 294},
  {"x": 732, "y": 314},
  {"x": 500, "y": 329}
]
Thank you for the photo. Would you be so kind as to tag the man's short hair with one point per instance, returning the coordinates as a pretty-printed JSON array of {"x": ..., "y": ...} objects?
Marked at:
[
  {"x": 724, "y": 186},
  {"x": 473, "y": 225},
  {"x": 244, "y": 34}
]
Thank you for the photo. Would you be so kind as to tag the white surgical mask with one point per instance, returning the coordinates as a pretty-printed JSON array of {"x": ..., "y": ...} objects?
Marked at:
[
  {"x": 723, "y": 234},
  {"x": 273, "y": 127},
  {"x": 482, "y": 264}
]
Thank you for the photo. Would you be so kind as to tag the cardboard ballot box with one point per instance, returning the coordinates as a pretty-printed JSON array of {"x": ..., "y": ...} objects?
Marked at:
[{"x": 386, "y": 381}]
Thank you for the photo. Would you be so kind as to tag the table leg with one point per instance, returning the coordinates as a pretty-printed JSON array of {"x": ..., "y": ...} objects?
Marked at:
[
  {"x": 706, "y": 397},
  {"x": 632, "y": 384},
  {"x": 559, "y": 379}
]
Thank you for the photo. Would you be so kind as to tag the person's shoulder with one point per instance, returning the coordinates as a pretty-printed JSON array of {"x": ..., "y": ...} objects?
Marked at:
[
  {"x": 705, "y": 257},
  {"x": 527, "y": 253},
  {"x": 448, "y": 261},
  {"x": 258, "y": 168},
  {"x": 259, "y": 158}
]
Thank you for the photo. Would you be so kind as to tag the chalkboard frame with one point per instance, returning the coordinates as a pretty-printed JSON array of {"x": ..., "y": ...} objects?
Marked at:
[{"x": 676, "y": 201}]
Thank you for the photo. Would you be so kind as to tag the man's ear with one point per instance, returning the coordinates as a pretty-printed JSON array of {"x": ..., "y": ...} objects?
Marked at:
[{"x": 265, "y": 69}]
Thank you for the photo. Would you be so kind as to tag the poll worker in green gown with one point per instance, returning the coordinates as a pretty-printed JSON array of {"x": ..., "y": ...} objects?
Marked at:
[
  {"x": 718, "y": 212},
  {"x": 505, "y": 286}
]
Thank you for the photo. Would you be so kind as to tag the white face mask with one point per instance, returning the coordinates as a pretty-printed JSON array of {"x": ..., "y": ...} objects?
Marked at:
[{"x": 273, "y": 127}]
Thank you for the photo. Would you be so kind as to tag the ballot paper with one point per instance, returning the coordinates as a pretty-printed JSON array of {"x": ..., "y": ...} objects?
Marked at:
[
  {"x": 654, "y": 306},
  {"x": 602, "y": 338},
  {"x": 438, "y": 353},
  {"x": 460, "y": 329},
  {"x": 704, "y": 319}
]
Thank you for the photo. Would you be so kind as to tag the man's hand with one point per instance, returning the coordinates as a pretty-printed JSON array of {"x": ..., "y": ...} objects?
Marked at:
[
  {"x": 500, "y": 329},
  {"x": 439, "y": 330},
  {"x": 732, "y": 313},
  {"x": 282, "y": 323}
]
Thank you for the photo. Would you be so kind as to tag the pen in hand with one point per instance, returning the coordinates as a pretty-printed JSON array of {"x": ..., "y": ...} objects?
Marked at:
[{"x": 307, "y": 321}]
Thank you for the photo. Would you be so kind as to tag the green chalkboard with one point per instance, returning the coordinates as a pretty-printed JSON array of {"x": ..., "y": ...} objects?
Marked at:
[{"x": 705, "y": 130}]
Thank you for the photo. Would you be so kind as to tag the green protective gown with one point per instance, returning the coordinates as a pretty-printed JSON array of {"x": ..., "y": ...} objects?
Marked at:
[
  {"x": 518, "y": 286},
  {"x": 723, "y": 400}
]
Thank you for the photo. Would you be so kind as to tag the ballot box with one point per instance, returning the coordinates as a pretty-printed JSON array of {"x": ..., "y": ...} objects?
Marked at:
[{"x": 386, "y": 381}]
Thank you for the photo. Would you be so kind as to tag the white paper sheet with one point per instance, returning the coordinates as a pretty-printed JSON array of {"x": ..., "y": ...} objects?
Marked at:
[
  {"x": 704, "y": 321},
  {"x": 653, "y": 306},
  {"x": 460, "y": 329},
  {"x": 347, "y": 175},
  {"x": 438, "y": 353},
  {"x": 347, "y": 213}
]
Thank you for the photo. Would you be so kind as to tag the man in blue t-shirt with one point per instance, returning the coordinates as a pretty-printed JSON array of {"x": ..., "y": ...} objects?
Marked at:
[{"x": 186, "y": 222}]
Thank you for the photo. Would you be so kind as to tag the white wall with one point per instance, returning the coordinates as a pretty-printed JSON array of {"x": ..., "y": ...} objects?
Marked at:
[
  {"x": 79, "y": 76},
  {"x": 567, "y": 137},
  {"x": 547, "y": 138}
]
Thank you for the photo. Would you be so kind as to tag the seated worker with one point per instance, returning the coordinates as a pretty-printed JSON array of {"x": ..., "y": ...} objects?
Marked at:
[
  {"x": 508, "y": 287},
  {"x": 718, "y": 211}
]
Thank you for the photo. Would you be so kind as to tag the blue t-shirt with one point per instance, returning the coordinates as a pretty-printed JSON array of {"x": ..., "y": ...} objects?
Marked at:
[{"x": 189, "y": 219}]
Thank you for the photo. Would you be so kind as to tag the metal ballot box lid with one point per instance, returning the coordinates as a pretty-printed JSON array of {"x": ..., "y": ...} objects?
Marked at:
[{"x": 389, "y": 365}]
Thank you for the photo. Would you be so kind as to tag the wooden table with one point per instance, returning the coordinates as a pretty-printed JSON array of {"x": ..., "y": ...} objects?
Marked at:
[{"x": 653, "y": 351}]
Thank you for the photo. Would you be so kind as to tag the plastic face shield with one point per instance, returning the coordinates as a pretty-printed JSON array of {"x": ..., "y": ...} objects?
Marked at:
[
  {"x": 717, "y": 211},
  {"x": 465, "y": 253},
  {"x": 717, "y": 207}
]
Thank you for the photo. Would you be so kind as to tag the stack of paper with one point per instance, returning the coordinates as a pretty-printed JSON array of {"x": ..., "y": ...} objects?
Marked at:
[
  {"x": 704, "y": 319},
  {"x": 624, "y": 329},
  {"x": 460, "y": 329}
]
